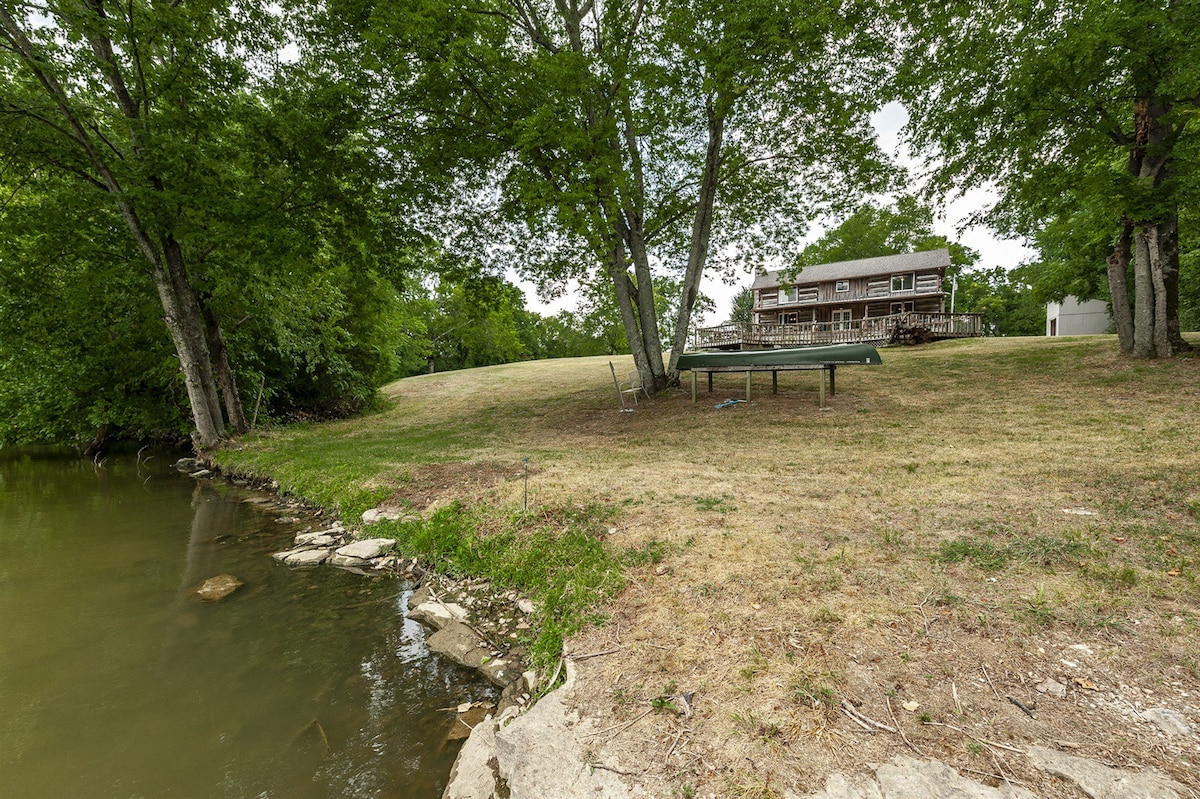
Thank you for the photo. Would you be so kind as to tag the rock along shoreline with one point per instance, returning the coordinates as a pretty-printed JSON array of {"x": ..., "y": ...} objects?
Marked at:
[{"x": 472, "y": 625}]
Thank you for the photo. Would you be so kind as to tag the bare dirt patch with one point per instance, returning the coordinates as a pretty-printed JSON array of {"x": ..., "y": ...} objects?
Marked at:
[{"x": 431, "y": 485}]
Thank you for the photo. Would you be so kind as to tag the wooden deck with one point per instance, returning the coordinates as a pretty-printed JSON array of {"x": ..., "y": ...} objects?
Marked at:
[{"x": 904, "y": 328}]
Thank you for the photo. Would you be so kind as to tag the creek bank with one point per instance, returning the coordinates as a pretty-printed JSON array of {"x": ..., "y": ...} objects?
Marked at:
[{"x": 473, "y": 624}]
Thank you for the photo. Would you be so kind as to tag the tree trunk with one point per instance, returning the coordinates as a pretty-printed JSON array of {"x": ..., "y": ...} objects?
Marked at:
[
  {"x": 234, "y": 411},
  {"x": 207, "y": 430},
  {"x": 1118, "y": 288},
  {"x": 647, "y": 314},
  {"x": 1168, "y": 236},
  {"x": 1143, "y": 301},
  {"x": 626, "y": 294},
  {"x": 1161, "y": 336},
  {"x": 191, "y": 323},
  {"x": 701, "y": 233}
]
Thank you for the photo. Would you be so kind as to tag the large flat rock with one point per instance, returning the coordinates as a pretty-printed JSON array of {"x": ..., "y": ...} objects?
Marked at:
[
  {"x": 367, "y": 548},
  {"x": 908, "y": 778},
  {"x": 459, "y": 642},
  {"x": 1102, "y": 782},
  {"x": 438, "y": 614}
]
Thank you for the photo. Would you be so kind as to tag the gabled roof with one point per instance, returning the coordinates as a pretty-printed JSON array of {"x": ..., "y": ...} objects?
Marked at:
[{"x": 863, "y": 267}]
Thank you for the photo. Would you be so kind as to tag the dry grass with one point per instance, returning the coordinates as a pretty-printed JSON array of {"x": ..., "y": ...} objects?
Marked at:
[{"x": 961, "y": 521}]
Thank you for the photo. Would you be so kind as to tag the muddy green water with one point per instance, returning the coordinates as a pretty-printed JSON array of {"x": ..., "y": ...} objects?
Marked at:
[{"x": 114, "y": 682}]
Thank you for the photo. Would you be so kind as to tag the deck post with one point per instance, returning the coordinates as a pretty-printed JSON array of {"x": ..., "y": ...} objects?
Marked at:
[
  {"x": 774, "y": 381},
  {"x": 710, "y": 382},
  {"x": 821, "y": 393},
  {"x": 694, "y": 384},
  {"x": 832, "y": 374},
  {"x": 748, "y": 373}
]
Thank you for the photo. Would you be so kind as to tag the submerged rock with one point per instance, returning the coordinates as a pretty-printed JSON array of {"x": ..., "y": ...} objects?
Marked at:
[{"x": 218, "y": 587}]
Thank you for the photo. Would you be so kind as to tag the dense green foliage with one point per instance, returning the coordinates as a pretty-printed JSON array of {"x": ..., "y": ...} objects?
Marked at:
[
  {"x": 200, "y": 201},
  {"x": 1084, "y": 115}
]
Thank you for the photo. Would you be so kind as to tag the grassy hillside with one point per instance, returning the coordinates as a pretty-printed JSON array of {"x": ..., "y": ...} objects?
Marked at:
[{"x": 968, "y": 510}]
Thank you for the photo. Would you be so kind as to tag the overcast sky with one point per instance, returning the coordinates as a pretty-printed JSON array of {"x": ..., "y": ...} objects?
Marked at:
[{"x": 888, "y": 123}]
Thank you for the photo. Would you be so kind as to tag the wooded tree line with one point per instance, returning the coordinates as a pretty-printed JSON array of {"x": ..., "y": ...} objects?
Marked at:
[{"x": 202, "y": 201}]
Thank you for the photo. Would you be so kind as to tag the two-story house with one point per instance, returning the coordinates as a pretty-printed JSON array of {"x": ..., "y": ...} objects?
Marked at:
[
  {"x": 842, "y": 293},
  {"x": 892, "y": 299}
]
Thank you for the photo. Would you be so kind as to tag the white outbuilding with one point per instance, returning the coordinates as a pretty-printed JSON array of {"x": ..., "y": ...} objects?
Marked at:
[{"x": 1074, "y": 318}]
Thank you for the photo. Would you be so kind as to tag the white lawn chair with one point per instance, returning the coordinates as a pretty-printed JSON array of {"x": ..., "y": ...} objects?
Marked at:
[{"x": 632, "y": 385}]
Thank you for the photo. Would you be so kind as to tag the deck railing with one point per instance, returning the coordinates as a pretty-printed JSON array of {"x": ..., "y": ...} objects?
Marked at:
[{"x": 876, "y": 330}]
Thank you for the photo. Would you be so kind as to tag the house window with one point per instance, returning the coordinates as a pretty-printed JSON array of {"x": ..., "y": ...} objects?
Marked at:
[
  {"x": 788, "y": 318},
  {"x": 902, "y": 282},
  {"x": 902, "y": 307},
  {"x": 841, "y": 285},
  {"x": 787, "y": 295},
  {"x": 841, "y": 320}
]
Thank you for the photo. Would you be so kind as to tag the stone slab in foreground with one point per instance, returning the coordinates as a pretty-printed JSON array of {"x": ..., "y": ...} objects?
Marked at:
[
  {"x": 1101, "y": 782},
  {"x": 539, "y": 755},
  {"x": 908, "y": 778}
]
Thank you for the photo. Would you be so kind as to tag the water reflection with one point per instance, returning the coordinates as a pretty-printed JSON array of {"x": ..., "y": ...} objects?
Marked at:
[{"x": 115, "y": 682}]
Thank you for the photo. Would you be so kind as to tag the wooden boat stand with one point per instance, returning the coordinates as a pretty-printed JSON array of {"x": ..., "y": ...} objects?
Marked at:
[{"x": 774, "y": 369}]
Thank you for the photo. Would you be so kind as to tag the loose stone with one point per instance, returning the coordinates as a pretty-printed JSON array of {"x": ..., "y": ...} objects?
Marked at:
[
  {"x": 1169, "y": 721},
  {"x": 218, "y": 587}
]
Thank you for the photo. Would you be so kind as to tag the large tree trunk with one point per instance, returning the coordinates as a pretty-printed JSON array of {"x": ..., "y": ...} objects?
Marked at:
[
  {"x": 647, "y": 313},
  {"x": 191, "y": 323},
  {"x": 234, "y": 412},
  {"x": 1143, "y": 302},
  {"x": 1118, "y": 288},
  {"x": 1156, "y": 262},
  {"x": 208, "y": 431},
  {"x": 626, "y": 294},
  {"x": 1161, "y": 336},
  {"x": 701, "y": 234}
]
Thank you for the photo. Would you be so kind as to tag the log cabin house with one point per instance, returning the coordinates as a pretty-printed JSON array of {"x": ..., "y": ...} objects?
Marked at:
[{"x": 890, "y": 299}]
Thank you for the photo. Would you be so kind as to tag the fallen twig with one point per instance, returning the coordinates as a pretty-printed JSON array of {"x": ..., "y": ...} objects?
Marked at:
[
  {"x": 899, "y": 729},
  {"x": 621, "y": 726},
  {"x": 849, "y": 708},
  {"x": 858, "y": 721},
  {"x": 988, "y": 677},
  {"x": 984, "y": 741},
  {"x": 957, "y": 705},
  {"x": 614, "y": 770},
  {"x": 612, "y": 651},
  {"x": 999, "y": 777},
  {"x": 675, "y": 743},
  {"x": 1021, "y": 705},
  {"x": 921, "y": 608}
]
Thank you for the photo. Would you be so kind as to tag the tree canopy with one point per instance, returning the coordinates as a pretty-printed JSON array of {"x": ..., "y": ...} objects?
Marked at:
[
  {"x": 1084, "y": 115},
  {"x": 306, "y": 200}
]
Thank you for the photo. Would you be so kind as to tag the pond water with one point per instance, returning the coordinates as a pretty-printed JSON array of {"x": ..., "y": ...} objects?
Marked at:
[{"x": 115, "y": 682}]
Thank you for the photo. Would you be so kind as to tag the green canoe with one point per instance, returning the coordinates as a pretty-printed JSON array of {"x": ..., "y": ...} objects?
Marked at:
[{"x": 833, "y": 354}]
